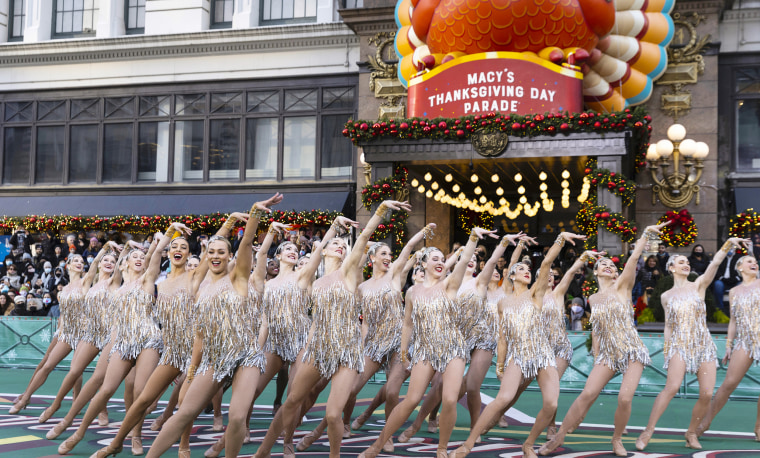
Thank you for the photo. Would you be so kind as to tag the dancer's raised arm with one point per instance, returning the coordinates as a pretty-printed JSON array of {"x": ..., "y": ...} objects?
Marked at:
[
  {"x": 260, "y": 271},
  {"x": 306, "y": 274},
  {"x": 89, "y": 277},
  {"x": 241, "y": 272},
  {"x": 628, "y": 277},
  {"x": 485, "y": 275},
  {"x": 542, "y": 279},
  {"x": 704, "y": 280},
  {"x": 399, "y": 266}
]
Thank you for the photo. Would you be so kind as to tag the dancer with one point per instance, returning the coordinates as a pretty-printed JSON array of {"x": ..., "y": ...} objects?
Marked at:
[
  {"x": 688, "y": 344},
  {"x": 431, "y": 313},
  {"x": 97, "y": 320},
  {"x": 71, "y": 328},
  {"x": 742, "y": 340},
  {"x": 616, "y": 345},
  {"x": 229, "y": 334},
  {"x": 382, "y": 309},
  {"x": 334, "y": 347},
  {"x": 478, "y": 326},
  {"x": 524, "y": 350},
  {"x": 136, "y": 337}
]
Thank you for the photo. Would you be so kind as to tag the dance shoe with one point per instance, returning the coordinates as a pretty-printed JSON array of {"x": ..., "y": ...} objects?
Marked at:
[
  {"x": 69, "y": 444},
  {"x": 551, "y": 431},
  {"x": 441, "y": 453},
  {"x": 691, "y": 441},
  {"x": 218, "y": 424},
  {"x": 307, "y": 440},
  {"x": 183, "y": 453},
  {"x": 643, "y": 440},
  {"x": 360, "y": 420},
  {"x": 58, "y": 429},
  {"x": 388, "y": 447},
  {"x": 137, "y": 448},
  {"x": 757, "y": 435},
  {"x": 461, "y": 452},
  {"x": 287, "y": 451},
  {"x": 106, "y": 452},
  {"x": 215, "y": 450},
  {"x": 617, "y": 447},
  {"x": 46, "y": 414},
  {"x": 549, "y": 447},
  {"x": 407, "y": 434},
  {"x": 346, "y": 432},
  {"x": 17, "y": 407},
  {"x": 369, "y": 453},
  {"x": 103, "y": 418},
  {"x": 158, "y": 422},
  {"x": 433, "y": 426},
  {"x": 528, "y": 451},
  {"x": 503, "y": 423}
]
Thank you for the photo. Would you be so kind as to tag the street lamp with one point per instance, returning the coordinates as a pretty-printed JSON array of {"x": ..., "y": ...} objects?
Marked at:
[{"x": 675, "y": 189}]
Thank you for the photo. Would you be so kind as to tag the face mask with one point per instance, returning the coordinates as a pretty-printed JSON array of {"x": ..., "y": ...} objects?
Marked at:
[
  {"x": 62, "y": 263},
  {"x": 24, "y": 293},
  {"x": 47, "y": 300},
  {"x": 48, "y": 270},
  {"x": 90, "y": 259},
  {"x": 7, "y": 263},
  {"x": 4, "y": 289},
  {"x": 30, "y": 271}
]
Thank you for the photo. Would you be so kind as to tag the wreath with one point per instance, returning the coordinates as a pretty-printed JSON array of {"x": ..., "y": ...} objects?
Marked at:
[
  {"x": 682, "y": 230},
  {"x": 744, "y": 223},
  {"x": 616, "y": 183}
]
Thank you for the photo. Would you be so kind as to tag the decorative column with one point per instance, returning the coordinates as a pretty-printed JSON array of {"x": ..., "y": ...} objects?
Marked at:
[
  {"x": 4, "y": 18},
  {"x": 38, "y": 21},
  {"x": 163, "y": 18},
  {"x": 606, "y": 240},
  {"x": 111, "y": 19},
  {"x": 246, "y": 15}
]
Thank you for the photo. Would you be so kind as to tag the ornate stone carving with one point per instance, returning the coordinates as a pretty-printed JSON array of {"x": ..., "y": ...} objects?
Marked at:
[
  {"x": 490, "y": 143},
  {"x": 383, "y": 80}
]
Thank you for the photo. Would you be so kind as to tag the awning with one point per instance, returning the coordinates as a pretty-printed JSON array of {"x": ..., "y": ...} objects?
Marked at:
[{"x": 169, "y": 204}]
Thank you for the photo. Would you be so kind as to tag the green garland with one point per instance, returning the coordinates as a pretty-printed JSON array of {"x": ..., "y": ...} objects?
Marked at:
[
  {"x": 744, "y": 223},
  {"x": 592, "y": 216},
  {"x": 135, "y": 224},
  {"x": 457, "y": 129},
  {"x": 682, "y": 230},
  {"x": 384, "y": 189},
  {"x": 616, "y": 183}
]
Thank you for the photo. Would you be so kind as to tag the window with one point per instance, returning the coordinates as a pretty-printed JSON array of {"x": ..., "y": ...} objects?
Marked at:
[
  {"x": 135, "y": 16},
  {"x": 231, "y": 132},
  {"x": 288, "y": 11},
  {"x": 221, "y": 13},
  {"x": 16, "y": 20},
  {"x": 747, "y": 88},
  {"x": 75, "y": 18}
]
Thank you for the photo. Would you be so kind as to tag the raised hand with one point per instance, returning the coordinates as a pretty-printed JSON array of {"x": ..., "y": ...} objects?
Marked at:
[
  {"x": 528, "y": 240},
  {"x": 396, "y": 205},
  {"x": 480, "y": 233},
  {"x": 265, "y": 204},
  {"x": 345, "y": 223},
  {"x": 656, "y": 228},
  {"x": 181, "y": 228},
  {"x": 571, "y": 238},
  {"x": 279, "y": 227},
  {"x": 240, "y": 216},
  {"x": 513, "y": 237}
]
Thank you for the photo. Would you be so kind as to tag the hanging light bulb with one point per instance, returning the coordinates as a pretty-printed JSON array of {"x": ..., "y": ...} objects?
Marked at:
[
  {"x": 415, "y": 183},
  {"x": 421, "y": 189},
  {"x": 428, "y": 176},
  {"x": 521, "y": 189},
  {"x": 542, "y": 176},
  {"x": 434, "y": 185},
  {"x": 502, "y": 201},
  {"x": 542, "y": 186},
  {"x": 494, "y": 178},
  {"x": 455, "y": 188},
  {"x": 429, "y": 194},
  {"x": 437, "y": 198},
  {"x": 448, "y": 178},
  {"x": 474, "y": 178},
  {"x": 482, "y": 199},
  {"x": 523, "y": 200},
  {"x": 461, "y": 196},
  {"x": 565, "y": 174},
  {"x": 544, "y": 195},
  {"x": 565, "y": 192},
  {"x": 499, "y": 191},
  {"x": 478, "y": 190},
  {"x": 518, "y": 177},
  {"x": 565, "y": 183}
]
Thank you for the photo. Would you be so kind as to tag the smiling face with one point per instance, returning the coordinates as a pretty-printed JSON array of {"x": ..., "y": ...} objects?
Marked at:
[
  {"x": 472, "y": 264},
  {"x": 136, "y": 261},
  {"x": 495, "y": 276},
  {"x": 336, "y": 248},
  {"x": 75, "y": 264},
  {"x": 218, "y": 256},
  {"x": 192, "y": 264},
  {"x": 419, "y": 276},
  {"x": 747, "y": 264},
  {"x": 273, "y": 267},
  {"x": 107, "y": 263},
  {"x": 381, "y": 259},
  {"x": 679, "y": 265},
  {"x": 605, "y": 268},
  {"x": 434, "y": 264},
  {"x": 521, "y": 274},
  {"x": 179, "y": 250},
  {"x": 287, "y": 254}
]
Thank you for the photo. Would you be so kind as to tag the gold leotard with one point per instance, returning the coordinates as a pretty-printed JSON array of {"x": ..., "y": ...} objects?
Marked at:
[
  {"x": 689, "y": 336},
  {"x": 220, "y": 316},
  {"x": 437, "y": 338},
  {"x": 527, "y": 344},
  {"x": 73, "y": 321},
  {"x": 619, "y": 342},
  {"x": 553, "y": 321},
  {"x": 478, "y": 327},
  {"x": 175, "y": 311},
  {"x": 336, "y": 339},
  {"x": 252, "y": 355},
  {"x": 136, "y": 328},
  {"x": 99, "y": 315},
  {"x": 745, "y": 308},
  {"x": 383, "y": 312},
  {"x": 287, "y": 310}
]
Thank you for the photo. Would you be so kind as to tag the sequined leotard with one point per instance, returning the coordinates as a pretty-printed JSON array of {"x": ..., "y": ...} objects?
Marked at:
[
  {"x": 220, "y": 317},
  {"x": 73, "y": 321},
  {"x": 250, "y": 323},
  {"x": 175, "y": 311},
  {"x": 689, "y": 336},
  {"x": 553, "y": 321},
  {"x": 286, "y": 307},
  {"x": 612, "y": 324},
  {"x": 478, "y": 327},
  {"x": 527, "y": 345},
  {"x": 745, "y": 308},
  {"x": 136, "y": 328},
  {"x": 383, "y": 311},
  {"x": 97, "y": 302},
  {"x": 336, "y": 339},
  {"x": 437, "y": 338}
]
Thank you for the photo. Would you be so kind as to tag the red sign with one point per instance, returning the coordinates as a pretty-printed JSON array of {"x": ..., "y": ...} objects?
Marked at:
[{"x": 505, "y": 82}]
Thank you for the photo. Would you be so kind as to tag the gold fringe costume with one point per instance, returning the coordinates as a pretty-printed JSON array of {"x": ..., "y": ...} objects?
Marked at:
[
  {"x": 336, "y": 340},
  {"x": 97, "y": 303},
  {"x": 175, "y": 311},
  {"x": 437, "y": 338},
  {"x": 478, "y": 327},
  {"x": 250, "y": 324},
  {"x": 527, "y": 344},
  {"x": 553, "y": 321},
  {"x": 136, "y": 328},
  {"x": 689, "y": 336},
  {"x": 745, "y": 308},
  {"x": 619, "y": 342},
  {"x": 73, "y": 321},
  {"x": 287, "y": 309},
  {"x": 220, "y": 319},
  {"x": 383, "y": 311}
]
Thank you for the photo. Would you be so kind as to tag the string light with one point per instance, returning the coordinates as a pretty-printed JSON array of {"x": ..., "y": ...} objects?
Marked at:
[
  {"x": 543, "y": 187},
  {"x": 429, "y": 194},
  {"x": 518, "y": 177},
  {"x": 455, "y": 188},
  {"x": 474, "y": 178},
  {"x": 521, "y": 189},
  {"x": 565, "y": 174},
  {"x": 523, "y": 200},
  {"x": 494, "y": 178},
  {"x": 448, "y": 178},
  {"x": 428, "y": 176},
  {"x": 542, "y": 176},
  {"x": 415, "y": 183},
  {"x": 482, "y": 199},
  {"x": 478, "y": 190},
  {"x": 565, "y": 183},
  {"x": 499, "y": 191},
  {"x": 421, "y": 189},
  {"x": 434, "y": 185}
]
